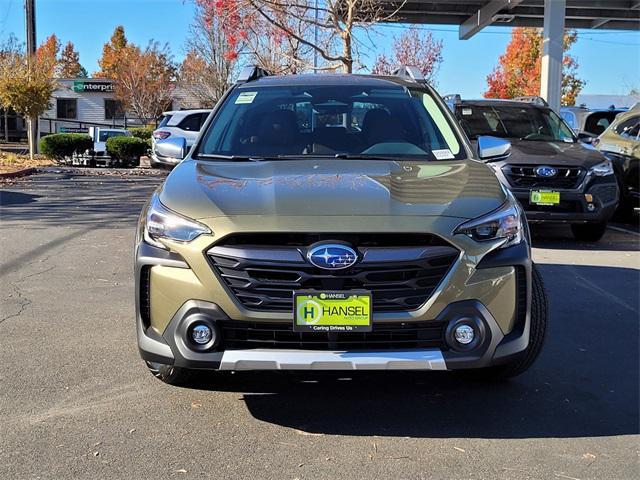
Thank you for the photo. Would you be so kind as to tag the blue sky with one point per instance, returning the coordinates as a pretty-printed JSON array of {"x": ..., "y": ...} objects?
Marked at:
[{"x": 609, "y": 60}]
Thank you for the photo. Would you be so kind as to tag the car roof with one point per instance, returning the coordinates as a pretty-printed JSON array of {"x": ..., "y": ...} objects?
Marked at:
[
  {"x": 499, "y": 102},
  {"x": 317, "y": 79}
]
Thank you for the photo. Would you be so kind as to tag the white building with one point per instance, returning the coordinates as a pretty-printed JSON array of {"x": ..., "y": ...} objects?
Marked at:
[{"x": 79, "y": 103}]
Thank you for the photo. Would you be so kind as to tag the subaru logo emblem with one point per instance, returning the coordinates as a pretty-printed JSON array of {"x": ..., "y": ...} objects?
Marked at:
[
  {"x": 331, "y": 256},
  {"x": 546, "y": 172}
]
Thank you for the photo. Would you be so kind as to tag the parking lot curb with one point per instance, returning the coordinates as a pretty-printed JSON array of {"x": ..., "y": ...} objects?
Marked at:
[{"x": 19, "y": 173}]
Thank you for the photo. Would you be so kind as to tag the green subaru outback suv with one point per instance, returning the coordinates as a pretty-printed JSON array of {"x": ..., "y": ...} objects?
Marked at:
[{"x": 335, "y": 222}]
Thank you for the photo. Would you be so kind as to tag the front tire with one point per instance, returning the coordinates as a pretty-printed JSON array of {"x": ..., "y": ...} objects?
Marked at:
[
  {"x": 522, "y": 362},
  {"x": 589, "y": 232}
]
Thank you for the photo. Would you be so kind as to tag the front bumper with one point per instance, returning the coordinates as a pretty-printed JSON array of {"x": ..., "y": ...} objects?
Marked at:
[
  {"x": 495, "y": 345},
  {"x": 574, "y": 207}
]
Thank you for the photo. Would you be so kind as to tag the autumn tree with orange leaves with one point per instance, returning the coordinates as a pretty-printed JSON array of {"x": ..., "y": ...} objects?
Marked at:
[
  {"x": 144, "y": 77},
  {"x": 519, "y": 68},
  {"x": 69, "y": 63},
  {"x": 112, "y": 54},
  {"x": 47, "y": 53}
]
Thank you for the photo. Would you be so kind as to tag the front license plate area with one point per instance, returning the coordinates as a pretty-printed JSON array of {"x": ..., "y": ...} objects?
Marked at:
[
  {"x": 544, "y": 197},
  {"x": 332, "y": 311}
]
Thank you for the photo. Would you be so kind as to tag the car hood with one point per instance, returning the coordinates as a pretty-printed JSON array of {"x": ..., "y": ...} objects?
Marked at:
[
  {"x": 553, "y": 153},
  {"x": 200, "y": 189}
]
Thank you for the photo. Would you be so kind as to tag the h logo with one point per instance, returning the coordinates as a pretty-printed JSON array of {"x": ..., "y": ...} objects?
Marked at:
[{"x": 308, "y": 312}]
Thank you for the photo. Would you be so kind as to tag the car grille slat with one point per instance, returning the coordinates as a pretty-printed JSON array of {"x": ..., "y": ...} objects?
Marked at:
[
  {"x": 524, "y": 176},
  {"x": 243, "y": 335},
  {"x": 400, "y": 277}
]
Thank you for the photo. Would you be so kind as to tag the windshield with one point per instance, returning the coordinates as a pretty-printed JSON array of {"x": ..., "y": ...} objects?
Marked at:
[
  {"x": 524, "y": 123},
  {"x": 106, "y": 135},
  {"x": 331, "y": 120}
]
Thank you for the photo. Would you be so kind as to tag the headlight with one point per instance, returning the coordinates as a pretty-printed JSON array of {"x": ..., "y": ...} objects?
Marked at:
[
  {"x": 602, "y": 169},
  {"x": 160, "y": 222},
  {"x": 507, "y": 223}
]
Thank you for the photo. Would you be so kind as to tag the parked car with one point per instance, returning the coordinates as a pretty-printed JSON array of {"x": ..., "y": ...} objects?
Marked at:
[
  {"x": 555, "y": 177},
  {"x": 100, "y": 135},
  {"x": 588, "y": 124},
  {"x": 621, "y": 143},
  {"x": 296, "y": 237},
  {"x": 177, "y": 123}
]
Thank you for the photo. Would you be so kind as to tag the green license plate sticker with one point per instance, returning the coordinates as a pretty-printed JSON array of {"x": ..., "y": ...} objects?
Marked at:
[
  {"x": 332, "y": 311},
  {"x": 541, "y": 197}
]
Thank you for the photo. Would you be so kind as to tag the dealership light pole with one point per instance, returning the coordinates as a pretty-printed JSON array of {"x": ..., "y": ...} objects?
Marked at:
[{"x": 30, "y": 21}]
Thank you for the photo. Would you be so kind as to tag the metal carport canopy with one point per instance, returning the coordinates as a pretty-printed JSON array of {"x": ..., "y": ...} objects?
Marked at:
[{"x": 552, "y": 15}]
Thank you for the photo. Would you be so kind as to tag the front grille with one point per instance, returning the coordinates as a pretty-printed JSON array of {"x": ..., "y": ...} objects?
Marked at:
[
  {"x": 571, "y": 206},
  {"x": 264, "y": 276},
  {"x": 384, "y": 336},
  {"x": 525, "y": 177}
]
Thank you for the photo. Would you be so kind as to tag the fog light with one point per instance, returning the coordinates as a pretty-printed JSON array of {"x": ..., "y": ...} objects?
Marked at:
[
  {"x": 591, "y": 207},
  {"x": 464, "y": 334},
  {"x": 201, "y": 334}
]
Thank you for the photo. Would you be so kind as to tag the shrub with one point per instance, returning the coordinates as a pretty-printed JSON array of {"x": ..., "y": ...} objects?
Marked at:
[
  {"x": 142, "y": 132},
  {"x": 61, "y": 146},
  {"x": 126, "y": 151}
]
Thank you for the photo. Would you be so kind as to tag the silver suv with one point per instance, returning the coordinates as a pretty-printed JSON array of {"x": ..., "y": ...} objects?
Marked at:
[{"x": 177, "y": 123}]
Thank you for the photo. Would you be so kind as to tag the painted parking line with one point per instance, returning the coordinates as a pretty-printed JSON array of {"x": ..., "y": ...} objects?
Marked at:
[{"x": 623, "y": 230}]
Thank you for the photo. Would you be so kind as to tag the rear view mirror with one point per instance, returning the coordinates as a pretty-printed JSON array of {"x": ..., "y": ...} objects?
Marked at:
[
  {"x": 174, "y": 148},
  {"x": 493, "y": 148}
]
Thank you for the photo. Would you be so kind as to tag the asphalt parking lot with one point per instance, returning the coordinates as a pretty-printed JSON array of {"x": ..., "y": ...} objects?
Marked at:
[{"x": 76, "y": 401}]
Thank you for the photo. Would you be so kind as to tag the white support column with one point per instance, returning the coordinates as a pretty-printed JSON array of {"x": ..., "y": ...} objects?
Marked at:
[{"x": 551, "y": 84}]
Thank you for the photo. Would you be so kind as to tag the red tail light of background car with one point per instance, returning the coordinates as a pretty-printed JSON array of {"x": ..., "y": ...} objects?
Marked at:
[{"x": 161, "y": 134}]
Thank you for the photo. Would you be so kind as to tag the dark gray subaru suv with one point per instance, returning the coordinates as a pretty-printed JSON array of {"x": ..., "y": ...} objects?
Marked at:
[{"x": 555, "y": 177}]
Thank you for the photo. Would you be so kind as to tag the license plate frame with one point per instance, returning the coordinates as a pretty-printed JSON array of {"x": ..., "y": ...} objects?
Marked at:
[
  {"x": 339, "y": 318},
  {"x": 549, "y": 198}
]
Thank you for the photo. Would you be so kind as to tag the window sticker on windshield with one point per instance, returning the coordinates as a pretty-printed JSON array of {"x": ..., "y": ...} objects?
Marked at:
[
  {"x": 443, "y": 154},
  {"x": 246, "y": 97},
  {"x": 467, "y": 111}
]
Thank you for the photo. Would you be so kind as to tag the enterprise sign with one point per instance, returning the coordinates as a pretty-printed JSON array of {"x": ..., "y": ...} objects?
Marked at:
[{"x": 92, "y": 87}]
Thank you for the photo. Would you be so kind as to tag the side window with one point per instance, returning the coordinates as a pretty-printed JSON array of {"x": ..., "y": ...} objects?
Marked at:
[
  {"x": 164, "y": 121},
  {"x": 113, "y": 109},
  {"x": 67, "y": 108},
  {"x": 626, "y": 127},
  {"x": 570, "y": 118},
  {"x": 203, "y": 118},
  {"x": 634, "y": 131},
  {"x": 191, "y": 123}
]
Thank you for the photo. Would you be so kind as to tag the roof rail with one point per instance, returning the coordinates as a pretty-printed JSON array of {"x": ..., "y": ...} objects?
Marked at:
[
  {"x": 454, "y": 98},
  {"x": 532, "y": 99},
  {"x": 408, "y": 72},
  {"x": 251, "y": 72}
]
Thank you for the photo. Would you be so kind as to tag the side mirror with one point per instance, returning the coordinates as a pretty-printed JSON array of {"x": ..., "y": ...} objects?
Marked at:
[
  {"x": 493, "y": 148},
  {"x": 586, "y": 138},
  {"x": 174, "y": 148}
]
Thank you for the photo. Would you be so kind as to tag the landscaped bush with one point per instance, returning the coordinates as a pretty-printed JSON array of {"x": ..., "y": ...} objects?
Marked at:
[
  {"x": 62, "y": 146},
  {"x": 142, "y": 132},
  {"x": 126, "y": 151}
]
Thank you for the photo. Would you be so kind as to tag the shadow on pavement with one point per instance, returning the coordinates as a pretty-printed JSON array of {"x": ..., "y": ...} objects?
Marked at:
[
  {"x": 559, "y": 237},
  {"x": 8, "y": 198},
  {"x": 584, "y": 384},
  {"x": 77, "y": 200}
]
